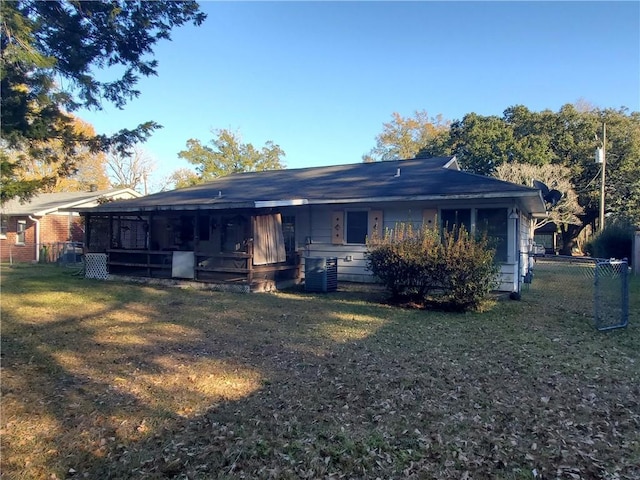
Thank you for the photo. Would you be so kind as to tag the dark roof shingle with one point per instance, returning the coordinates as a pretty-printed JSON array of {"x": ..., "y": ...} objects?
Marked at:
[
  {"x": 44, "y": 203},
  {"x": 379, "y": 181}
]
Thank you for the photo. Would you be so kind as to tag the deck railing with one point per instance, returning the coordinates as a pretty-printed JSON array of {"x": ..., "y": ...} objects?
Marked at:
[{"x": 223, "y": 267}]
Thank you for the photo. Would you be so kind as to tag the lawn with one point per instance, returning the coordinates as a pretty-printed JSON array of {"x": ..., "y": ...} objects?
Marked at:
[{"x": 115, "y": 380}]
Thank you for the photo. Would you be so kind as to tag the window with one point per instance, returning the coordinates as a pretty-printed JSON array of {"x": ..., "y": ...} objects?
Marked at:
[
  {"x": 98, "y": 233},
  {"x": 457, "y": 218},
  {"x": 3, "y": 226},
  {"x": 357, "y": 225},
  {"x": 20, "y": 231},
  {"x": 234, "y": 233},
  {"x": 289, "y": 232},
  {"x": 130, "y": 233},
  {"x": 493, "y": 223}
]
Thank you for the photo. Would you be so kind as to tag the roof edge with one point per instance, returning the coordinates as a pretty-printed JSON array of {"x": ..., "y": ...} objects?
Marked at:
[{"x": 532, "y": 195}]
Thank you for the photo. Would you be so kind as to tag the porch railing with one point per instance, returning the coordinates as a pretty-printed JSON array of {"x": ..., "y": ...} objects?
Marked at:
[
  {"x": 150, "y": 263},
  {"x": 225, "y": 267}
]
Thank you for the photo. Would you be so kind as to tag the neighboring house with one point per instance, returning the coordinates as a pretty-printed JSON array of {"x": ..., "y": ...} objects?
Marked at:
[
  {"x": 548, "y": 237},
  {"x": 47, "y": 219},
  {"x": 256, "y": 229}
]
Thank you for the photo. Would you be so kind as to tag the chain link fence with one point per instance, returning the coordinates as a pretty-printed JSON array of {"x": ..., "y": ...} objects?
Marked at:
[
  {"x": 593, "y": 287},
  {"x": 611, "y": 284},
  {"x": 63, "y": 253}
]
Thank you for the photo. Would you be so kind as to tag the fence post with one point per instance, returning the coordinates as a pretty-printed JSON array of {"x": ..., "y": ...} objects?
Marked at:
[{"x": 635, "y": 254}]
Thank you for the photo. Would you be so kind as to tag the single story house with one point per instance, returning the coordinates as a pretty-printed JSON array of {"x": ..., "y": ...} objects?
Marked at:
[
  {"x": 28, "y": 229},
  {"x": 257, "y": 229}
]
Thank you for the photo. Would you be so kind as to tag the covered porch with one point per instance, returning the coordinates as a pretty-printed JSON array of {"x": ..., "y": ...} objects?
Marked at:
[{"x": 243, "y": 247}]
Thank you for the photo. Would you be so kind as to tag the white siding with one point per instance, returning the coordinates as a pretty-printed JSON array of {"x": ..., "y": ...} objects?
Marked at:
[
  {"x": 526, "y": 244},
  {"x": 313, "y": 235},
  {"x": 508, "y": 277},
  {"x": 351, "y": 258}
]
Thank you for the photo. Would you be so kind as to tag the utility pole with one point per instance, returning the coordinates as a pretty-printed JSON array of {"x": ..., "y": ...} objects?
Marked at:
[{"x": 602, "y": 175}]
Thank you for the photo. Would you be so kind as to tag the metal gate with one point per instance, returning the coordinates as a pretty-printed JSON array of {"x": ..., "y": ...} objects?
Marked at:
[
  {"x": 611, "y": 294},
  {"x": 595, "y": 288}
]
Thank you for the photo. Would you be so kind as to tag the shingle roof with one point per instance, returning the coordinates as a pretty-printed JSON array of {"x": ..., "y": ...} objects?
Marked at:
[
  {"x": 377, "y": 181},
  {"x": 45, "y": 203}
]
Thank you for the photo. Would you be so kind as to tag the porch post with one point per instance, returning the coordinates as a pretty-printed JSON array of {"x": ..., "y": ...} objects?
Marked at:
[
  {"x": 110, "y": 231},
  {"x": 250, "y": 245},
  {"x": 513, "y": 247},
  {"x": 87, "y": 232}
]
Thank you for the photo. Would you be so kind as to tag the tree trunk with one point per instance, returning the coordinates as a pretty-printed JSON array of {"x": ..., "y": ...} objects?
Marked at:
[
  {"x": 570, "y": 232},
  {"x": 569, "y": 235}
]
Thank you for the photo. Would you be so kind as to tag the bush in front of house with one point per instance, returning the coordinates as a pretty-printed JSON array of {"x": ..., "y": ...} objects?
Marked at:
[
  {"x": 453, "y": 270},
  {"x": 615, "y": 241}
]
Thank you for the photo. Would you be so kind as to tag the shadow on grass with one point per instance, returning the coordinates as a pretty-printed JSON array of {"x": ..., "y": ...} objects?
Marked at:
[{"x": 145, "y": 382}]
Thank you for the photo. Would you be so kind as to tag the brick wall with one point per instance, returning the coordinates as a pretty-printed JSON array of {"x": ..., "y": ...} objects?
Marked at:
[
  {"x": 18, "y": 252},
  {"x": 53, "y": 229}
]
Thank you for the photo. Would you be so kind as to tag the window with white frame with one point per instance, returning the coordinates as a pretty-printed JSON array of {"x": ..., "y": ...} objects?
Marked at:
[
  {"x": 21, "y": 231},
  {"x": 4, "y": 223},
  {"x": 493, "y": 223}
]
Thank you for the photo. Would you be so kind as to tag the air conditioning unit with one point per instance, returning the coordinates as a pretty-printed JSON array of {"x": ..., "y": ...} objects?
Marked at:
[{"x": 321, "y": 274}]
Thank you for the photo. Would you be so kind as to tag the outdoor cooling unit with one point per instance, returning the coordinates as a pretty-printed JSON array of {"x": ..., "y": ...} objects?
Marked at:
[{"x": 321, "y": 274}]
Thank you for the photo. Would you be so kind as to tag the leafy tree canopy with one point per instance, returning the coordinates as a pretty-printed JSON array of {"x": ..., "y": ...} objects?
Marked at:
[
  {"x": 49, "y": 54},
  {"x": 89, "y": 169},
  {"x": 403, "y": 138},
  {"x": 566, "y": 140},
  {"x": 182, "y": 178},
  {"x": 226, "y": 154}
]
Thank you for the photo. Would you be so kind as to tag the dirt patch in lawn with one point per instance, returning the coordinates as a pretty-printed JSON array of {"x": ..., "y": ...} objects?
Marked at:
[{"x": 112, "y": 380}]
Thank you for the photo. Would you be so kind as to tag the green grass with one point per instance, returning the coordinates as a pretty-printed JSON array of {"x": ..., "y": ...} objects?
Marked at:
[{"x": 116, "y": 380}]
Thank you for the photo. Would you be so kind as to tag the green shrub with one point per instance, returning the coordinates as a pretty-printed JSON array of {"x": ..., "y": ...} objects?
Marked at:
[
  {"x": 453, "y": 271},
  {"x": 615, "y": 241}
]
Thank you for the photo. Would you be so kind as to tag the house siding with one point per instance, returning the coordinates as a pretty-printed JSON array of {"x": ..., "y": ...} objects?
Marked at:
[
  {"x": 352, "y": 263},
  {"x": 54, "y": 228},
  {"x": 19, "y": 253},
  {"x": 61, "y": 228}
]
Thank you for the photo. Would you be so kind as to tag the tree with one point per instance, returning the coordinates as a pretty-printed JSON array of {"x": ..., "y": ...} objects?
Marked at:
[
  {"x": 557, "y": 177},
  {"x": 622, "y": 183},
  {"x": 566, "y": 138},
  {"x": 130, "y": 171},
  {"x": 227, "y": 154},
  {"x": 481, "y": 143},
  {"x": 49, "y": 55},
  {"x": 404, "y": 138},
  {"x": 182, "y": 178},
  {"x": 89, "y": 170}
]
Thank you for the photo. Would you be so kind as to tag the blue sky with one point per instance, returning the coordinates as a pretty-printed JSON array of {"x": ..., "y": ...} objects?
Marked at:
[{"x": 320, "y": 78}]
